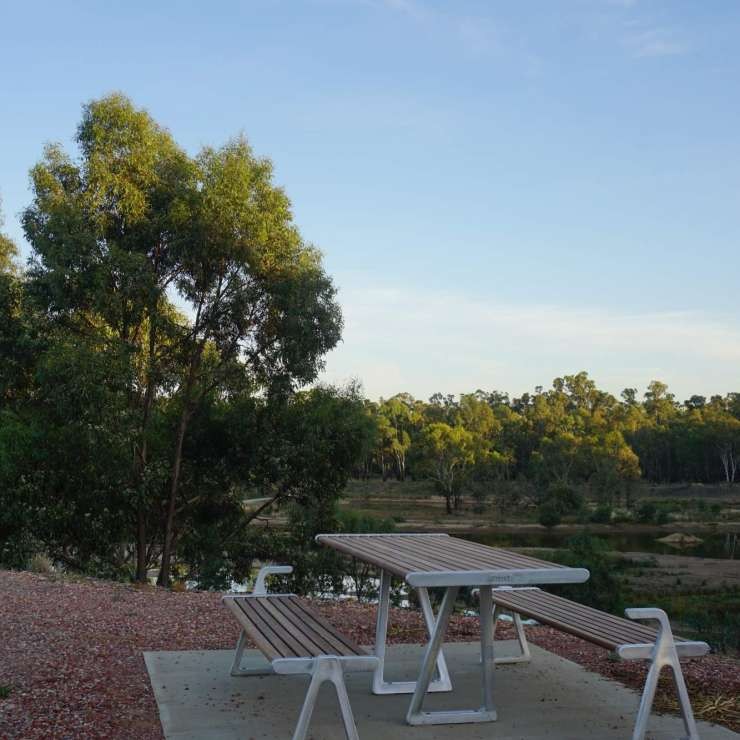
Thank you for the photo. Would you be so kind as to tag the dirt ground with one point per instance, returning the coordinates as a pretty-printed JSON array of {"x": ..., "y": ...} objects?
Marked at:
[
  {"x": 695, "y": 574},
  {"x": 71, "y": 661}
]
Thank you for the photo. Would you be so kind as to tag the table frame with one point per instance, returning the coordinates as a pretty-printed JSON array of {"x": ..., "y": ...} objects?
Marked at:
[
  {"x": 451, "y": 581},
  {"x": 380, "y": 685}
]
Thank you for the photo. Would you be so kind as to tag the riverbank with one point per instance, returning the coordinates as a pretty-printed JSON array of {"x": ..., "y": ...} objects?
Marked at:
[
  {"x": 71, "y": 656},
  {"x": 415, "y": 505}
]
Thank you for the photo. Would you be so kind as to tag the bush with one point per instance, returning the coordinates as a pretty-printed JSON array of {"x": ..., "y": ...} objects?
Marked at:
[
  {"x": 549, "y": 515},
  {"x": 40, "y": 563},
  {"x": 646, "y": 512},
  {"x": 603, "y": 590},
  {"x": 565, "y": 499},
  {"x": 602, "y": 514},
  {"x": 663, "y": 516},
  {"x": 620, "y": 516}
]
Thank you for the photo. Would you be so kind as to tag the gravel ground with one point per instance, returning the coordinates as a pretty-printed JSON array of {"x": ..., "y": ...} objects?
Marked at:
[{"x": 71, "y": 662}]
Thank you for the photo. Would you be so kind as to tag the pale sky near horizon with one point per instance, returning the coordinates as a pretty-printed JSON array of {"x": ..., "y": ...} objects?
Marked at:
[{"x": 504, "y": 192}]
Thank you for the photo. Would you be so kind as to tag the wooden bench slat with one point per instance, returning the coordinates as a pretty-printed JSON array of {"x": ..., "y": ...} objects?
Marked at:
[
  {"x": 314, "y": 629},
  {"x": 314, "y": 640},
  {"x": 344, "y": 645},
  {"x": 288, "y": 632},
  {"x": 590, "y": 624},
  {"x": 619, "y": 626},
  {"x": 282, "y": 627},
  {"x": 566, "y": 612},
  {"x": 264, "y": 637}
]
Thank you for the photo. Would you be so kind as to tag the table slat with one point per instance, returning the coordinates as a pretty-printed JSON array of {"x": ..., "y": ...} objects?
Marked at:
[{"x": 401, "y": 554}]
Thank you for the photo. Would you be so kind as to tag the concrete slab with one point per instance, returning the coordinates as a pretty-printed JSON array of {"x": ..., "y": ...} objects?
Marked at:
[{"x": 549, "y": 698}]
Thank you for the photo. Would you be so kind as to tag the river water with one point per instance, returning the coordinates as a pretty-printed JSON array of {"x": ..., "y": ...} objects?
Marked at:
[{"x": 725, "y": 545}]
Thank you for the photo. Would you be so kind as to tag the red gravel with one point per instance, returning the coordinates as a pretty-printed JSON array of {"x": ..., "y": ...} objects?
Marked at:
[{"x": 71, "y": 653}]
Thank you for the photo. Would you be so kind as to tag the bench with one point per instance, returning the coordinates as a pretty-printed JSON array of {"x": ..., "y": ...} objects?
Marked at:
[
  {"x": 296, "y": 640},
  {"x": 629, "y": 640}
]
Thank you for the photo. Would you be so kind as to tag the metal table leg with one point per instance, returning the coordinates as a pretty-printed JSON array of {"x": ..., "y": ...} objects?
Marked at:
[
  {"x": 487, "y": 712},
  {"x": 380, "y": 685}
]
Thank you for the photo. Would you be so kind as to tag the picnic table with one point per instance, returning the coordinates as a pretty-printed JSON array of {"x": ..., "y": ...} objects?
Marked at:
[{"x": 426, "y": 561}]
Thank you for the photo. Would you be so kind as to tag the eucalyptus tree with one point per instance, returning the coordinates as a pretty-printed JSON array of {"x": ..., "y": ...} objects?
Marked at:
[
  {"x": 104, "y": 228},
  {"x": 261, "y": 305},
  {"x": 397, "y": 419},
  {"x": 192, "y": 268},
  {"x": 8, "y": 249},
  {"x": 447, "y": 455},
  {"x": 16, "y": 367}
]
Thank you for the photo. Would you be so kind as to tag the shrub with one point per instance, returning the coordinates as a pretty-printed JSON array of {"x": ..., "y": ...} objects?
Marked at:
[
  {"x": 549, "y": 515},
  {"x": 620, "y": 516},
  {"x": 663, "y": 516},
  {"x": 602, "y": 514},
  {"x": 40, "y": 563},
  {"x": 646, "y": 512},
  {"x": 565, "y": 499},
  {"x": 603, "y": 590}
]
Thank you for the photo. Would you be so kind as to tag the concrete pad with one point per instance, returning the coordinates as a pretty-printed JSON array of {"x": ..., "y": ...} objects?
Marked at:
[{"x": 549, "y": 698}]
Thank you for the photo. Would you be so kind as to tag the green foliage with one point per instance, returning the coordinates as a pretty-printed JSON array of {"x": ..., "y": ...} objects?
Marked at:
[
  {"x": 130, "y": 441},
  {"x": 647, "y": 512},
  {"x": 564, "y": 499},
  {"x": 447, "y": 453},
  {"x": 152, "y": 356},
  {"x": 362, "y": 575},
  {"x": 602, "y": 514},
  {"x": 549, "y": 515},
  {"x": 354, "y": 522},
  {"x": 713, "y": 618},
  {"x": 573, "y": 435},
  {"x": 8, "y": 249},
  {"x": 603, "y": 590},
  {"x": 710, "y": 616}
]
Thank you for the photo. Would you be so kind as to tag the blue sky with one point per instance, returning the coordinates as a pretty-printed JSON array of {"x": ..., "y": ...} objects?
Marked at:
[{"x": 503, "y": 192}]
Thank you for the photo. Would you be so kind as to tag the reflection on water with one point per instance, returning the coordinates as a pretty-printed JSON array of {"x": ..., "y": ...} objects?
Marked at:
[{"x": 725, "y": 545}]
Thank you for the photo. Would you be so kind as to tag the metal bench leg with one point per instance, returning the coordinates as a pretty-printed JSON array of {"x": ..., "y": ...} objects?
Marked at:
[
  {"x": 380, "y": 685},
  {"x": 664, "y": 654},
  {"x": 326, "y": 669},
  {"x": 524, "y": 655},
  {"x": 237, "y": 670},
  {"x": 260, "y": 589}
]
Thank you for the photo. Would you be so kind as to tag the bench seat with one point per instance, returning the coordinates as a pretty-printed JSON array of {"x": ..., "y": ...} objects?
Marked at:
[
  {"x": 296, "y": 639},
  {"x": 283, "y": 627},
  {"x": 582, "y": 621},
  {"x": 630, "y": 640}
]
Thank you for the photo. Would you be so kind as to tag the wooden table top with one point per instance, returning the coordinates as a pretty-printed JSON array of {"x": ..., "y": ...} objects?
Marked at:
[{"x": 441, "y": 560}]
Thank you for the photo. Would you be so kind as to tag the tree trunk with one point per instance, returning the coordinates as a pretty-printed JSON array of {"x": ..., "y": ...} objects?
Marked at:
[
  {"x": 724, "y": 456},
  {"x": 141, "y": 545},
  {"x": 141, "y": 458},
  {"x": 164, "y": 570}
]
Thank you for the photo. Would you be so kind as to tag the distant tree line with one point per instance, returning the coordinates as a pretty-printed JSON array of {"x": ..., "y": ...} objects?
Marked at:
[{"x": 572, "y": 434}]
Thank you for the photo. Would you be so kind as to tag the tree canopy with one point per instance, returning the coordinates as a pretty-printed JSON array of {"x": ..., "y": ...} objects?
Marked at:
[
  {"x": 572, "y": 434},
  {"x": 163, "y": 291}
]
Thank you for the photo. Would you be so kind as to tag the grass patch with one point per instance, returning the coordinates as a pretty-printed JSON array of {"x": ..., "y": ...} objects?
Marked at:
[{"x": 5, "y": 691}]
